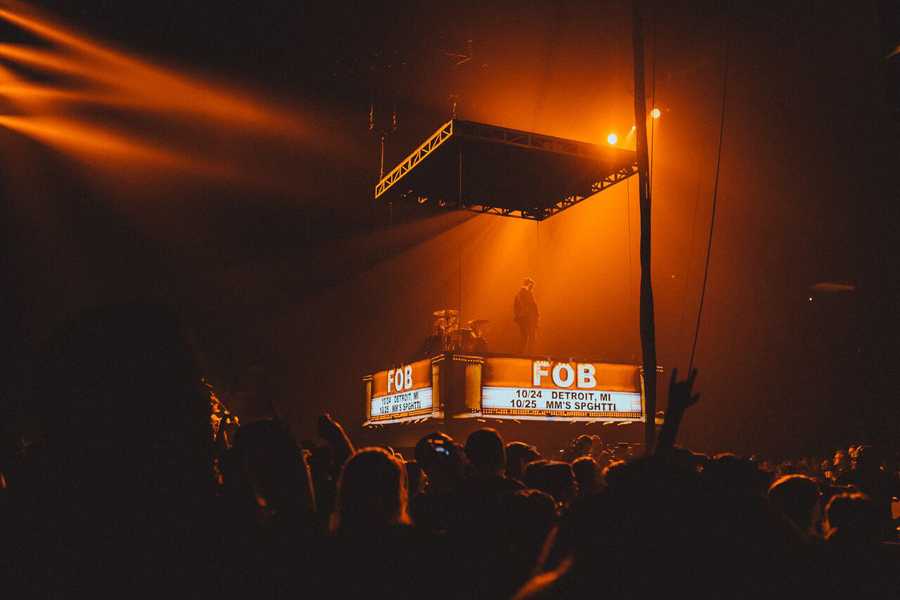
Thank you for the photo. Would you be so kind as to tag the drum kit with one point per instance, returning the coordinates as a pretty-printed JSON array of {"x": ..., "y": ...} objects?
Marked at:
[{"x": 454, "y": 338}]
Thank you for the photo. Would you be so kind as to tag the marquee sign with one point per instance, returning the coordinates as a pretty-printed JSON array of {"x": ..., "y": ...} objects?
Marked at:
[
  {"x": 404, "y": 393},
  {"x": 523, "y": 388}
]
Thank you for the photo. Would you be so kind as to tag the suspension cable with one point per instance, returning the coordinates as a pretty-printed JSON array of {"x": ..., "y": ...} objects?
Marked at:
[{"x": 715, "y": 198}]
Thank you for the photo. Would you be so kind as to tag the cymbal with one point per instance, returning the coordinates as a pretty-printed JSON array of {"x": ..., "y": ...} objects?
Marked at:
[
  {"x": 478, "y": 322},
  {"x": 446, "y": 312}
]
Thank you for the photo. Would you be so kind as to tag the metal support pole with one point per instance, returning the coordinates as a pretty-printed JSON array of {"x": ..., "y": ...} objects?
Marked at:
[{"x": 648, "y": 328}]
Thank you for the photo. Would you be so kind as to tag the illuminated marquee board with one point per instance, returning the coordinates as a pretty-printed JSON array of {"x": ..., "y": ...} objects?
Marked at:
[
  {"x": 522, "y": 388},
  {"x": 405, "y": 393}
]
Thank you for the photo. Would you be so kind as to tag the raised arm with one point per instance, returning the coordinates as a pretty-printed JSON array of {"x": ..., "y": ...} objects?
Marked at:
[
  {"x": 681, "y": 397},
  {"x": 332, "y": 432}
]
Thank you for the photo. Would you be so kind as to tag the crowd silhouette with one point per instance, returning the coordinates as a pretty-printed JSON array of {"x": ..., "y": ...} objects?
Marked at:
[{"x": 133, "y": 492}]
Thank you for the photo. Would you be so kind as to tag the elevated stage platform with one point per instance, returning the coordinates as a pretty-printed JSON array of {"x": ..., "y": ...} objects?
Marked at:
[
  {"x": 525, "y": 397},
  {"x": 489, "y": 169}
]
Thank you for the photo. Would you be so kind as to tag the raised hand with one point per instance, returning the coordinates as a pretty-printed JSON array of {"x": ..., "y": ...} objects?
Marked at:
[
  {"x": 328, "y": 428},
  {"x": 680, "y": 396},
  {"x": 332, "y": 432}
]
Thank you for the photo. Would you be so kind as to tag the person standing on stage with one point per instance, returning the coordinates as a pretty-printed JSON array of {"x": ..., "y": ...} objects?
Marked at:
[{"x": 525, "y": 311}]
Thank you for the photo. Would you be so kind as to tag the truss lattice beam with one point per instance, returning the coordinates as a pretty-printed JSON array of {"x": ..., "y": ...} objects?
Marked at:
[
  {"x": 444, "y": 133},
  {"x": 524, "y": 139},
  {"x": 541, "y": 213},
  {"x": 593, "y": 162}
]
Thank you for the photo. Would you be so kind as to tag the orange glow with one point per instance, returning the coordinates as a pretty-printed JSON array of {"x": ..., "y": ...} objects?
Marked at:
[
  {"x": 24, "y": 91},
  {"x": 57, "y": 34},
  {"x": 655, "y": 113},
  {"x": 611, "y": 139},
  {"x": 44, "y": 59},
  {"x": 11, "y": 87},
  {"x": 194, "y": 111},
  {"x": 141, "y": 83},
  {"x": 93, "y": 141}
]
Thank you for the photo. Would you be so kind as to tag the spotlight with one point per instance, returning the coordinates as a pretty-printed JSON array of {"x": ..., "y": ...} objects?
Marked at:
[
  {"x": 655, "y": 113},
  {"x": 612, "y": 139}
]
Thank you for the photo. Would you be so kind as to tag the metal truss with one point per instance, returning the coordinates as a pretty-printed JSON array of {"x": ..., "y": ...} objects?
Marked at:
[
  {"x": 444, "y": 133},
  {"x": 608, "y": 181},
  {"x": 479, "y": 132},
  {"x": 524, "y": 139},
  {"x": 541, "y": 213}
]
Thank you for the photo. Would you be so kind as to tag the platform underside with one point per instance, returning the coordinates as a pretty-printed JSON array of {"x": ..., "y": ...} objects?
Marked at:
[{"x": 496, "y": 170}]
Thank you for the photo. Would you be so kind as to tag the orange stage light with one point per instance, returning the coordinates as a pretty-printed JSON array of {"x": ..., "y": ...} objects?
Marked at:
[
  {"x": 129, "y": 81},
  {"x": 114, "y": 148},
  {"x": 655, "y": 113},
  {"x": 611, "y": 139}
]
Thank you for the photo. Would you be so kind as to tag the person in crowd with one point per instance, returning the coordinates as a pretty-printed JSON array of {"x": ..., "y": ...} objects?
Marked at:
[
  {"x": 272, "y": 474},
  {"x": 840, "y": 464},
  {"x": 701, "y": 535},
  {"x": 380, "y": 553},
  {"x": 869, "y": 476},
  {"x": 583, "y": 445},
  {"x": 857, "y": 563},
  {"x": 325, "y": 463},
  {"x": 852, "y": 518},
  {"x": 525, "y": 520},
  {"x": 442, "y": 460},
  {"x": 798, "y": 498},
  {"x": 438, "y": 508},
  {"x": 733, "y": 474},
  {"x": 476, "y": 533},
  {"x": 487, "y": 455},
  {"x": 416, "y": 478},
  {"x": 123, "y": 491},
  {"x": 694, "y": 461},
  {"x": 647, "y": 516},
  {"x": 586, "y": 475},
  {"x": 519, "y": 454},
  {"x": 554, "y": 477},
  {"x": 372, "y": 493},
  {"x": 269, "y": 491}
]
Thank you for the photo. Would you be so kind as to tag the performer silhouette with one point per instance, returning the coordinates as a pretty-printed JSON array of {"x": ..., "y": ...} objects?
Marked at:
[{"x": 526, "y": 315}]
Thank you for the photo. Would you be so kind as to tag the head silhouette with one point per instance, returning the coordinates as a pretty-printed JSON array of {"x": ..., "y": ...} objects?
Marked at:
[
  {"x": 120, "y": 389},
  {"x": 415, "y": 478},
  {"x": 519, "y": 454},
  {"x": 486, "y": 451},
  {"x": 272, "y": 468},
  {"x": 372, "y": 492},
  {"x": 852, "y": 519},
  {"x": 585, "y": 470},
  {"x": 797, "y": 497},
  {"x": 554, "y": 477},
  {"x": 128, "y": 490}
]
